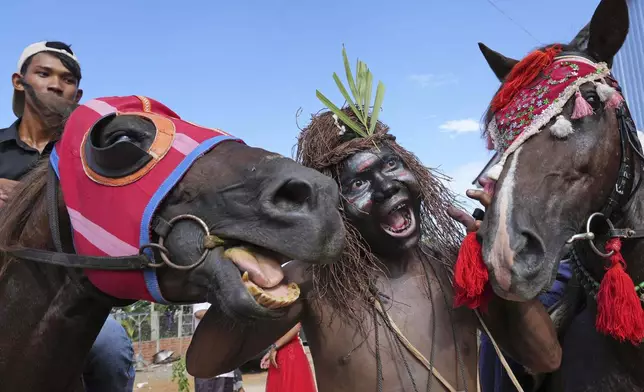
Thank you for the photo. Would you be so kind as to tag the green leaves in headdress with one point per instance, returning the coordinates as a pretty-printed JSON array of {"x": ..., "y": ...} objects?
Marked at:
[{"x": 361, "y": 87}]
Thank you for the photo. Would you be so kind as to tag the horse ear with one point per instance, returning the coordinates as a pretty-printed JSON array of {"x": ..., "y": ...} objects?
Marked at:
[
  {"x": 501, "y": 65},
  {"x": 608, "y": 30},
  {"x": 580, "y": 42}
]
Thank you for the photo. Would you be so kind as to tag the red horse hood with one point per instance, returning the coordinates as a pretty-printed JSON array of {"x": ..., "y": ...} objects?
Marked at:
[{"x": 112, "y": 216}]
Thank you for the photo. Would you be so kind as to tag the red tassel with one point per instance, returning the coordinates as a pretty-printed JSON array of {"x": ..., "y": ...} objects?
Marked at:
[
  {"x": 524, "y": 73},
  {"x": 470, "y": 274},
  {"x": 582, "y": 107},
  {"x": 619, "y": 311}
]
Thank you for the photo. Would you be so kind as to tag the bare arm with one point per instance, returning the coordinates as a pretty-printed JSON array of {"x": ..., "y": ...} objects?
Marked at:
[
  {"x": 288, "y": 336},
  {"x": 523, "y": 330},
  {"x": 221, "y": 345}
]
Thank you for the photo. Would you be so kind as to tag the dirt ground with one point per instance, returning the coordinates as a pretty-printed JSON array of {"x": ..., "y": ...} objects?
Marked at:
[{"x": 158, "y": 378}]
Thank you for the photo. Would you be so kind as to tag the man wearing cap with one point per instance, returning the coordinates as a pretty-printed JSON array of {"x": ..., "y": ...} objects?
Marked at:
[
  {"x": 52, "y": 68},
  {"x": 48, "y": 67}
]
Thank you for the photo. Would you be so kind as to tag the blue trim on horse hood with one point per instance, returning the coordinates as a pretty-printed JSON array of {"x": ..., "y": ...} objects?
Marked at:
[
  {"x": 53, "y": 160},
  {"x": 167, "y": 185}
]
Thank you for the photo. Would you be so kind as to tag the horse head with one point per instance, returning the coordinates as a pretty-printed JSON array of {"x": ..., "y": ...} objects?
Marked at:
[
  {"x": 156, "y": 208},
  {"x": 555, "y": 122}
]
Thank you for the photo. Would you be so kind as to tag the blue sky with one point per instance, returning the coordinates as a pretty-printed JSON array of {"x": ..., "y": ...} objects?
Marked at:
[{"x": 247, "y": 66}]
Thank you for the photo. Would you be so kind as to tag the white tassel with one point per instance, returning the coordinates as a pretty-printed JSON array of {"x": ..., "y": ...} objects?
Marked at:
[
  {"x": 562, "y": 128},
  {"x": 604, "y": 91},
  {"x": 494, "y": 172}
]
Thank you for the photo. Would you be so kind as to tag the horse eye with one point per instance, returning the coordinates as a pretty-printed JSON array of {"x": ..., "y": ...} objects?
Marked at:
[{"x": 592, "y": 98}]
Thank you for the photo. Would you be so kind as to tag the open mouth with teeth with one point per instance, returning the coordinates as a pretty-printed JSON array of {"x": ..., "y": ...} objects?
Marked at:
[
  {"x": 262, "y": 275},
  {"x": 400, "y": 222}
]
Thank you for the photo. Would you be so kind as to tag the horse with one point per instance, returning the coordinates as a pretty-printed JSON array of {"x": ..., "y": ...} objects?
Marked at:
[
  {"x": 134, "y": 203},
  {"x": 568, "y": 186}
]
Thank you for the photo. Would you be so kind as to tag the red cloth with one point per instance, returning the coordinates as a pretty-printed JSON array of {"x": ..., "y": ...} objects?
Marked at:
[
  {"x": 535, "y": 104},
  {"x": 294, "y": 373}
]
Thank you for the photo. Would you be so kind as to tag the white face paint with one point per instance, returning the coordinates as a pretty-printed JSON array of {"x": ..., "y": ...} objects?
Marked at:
[{"x": 500, "y": 254}]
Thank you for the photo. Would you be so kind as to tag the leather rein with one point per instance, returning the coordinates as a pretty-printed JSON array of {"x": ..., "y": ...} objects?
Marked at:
[
  {"x": 64, "y": 256},
  {"x": 622, "y": 194}
]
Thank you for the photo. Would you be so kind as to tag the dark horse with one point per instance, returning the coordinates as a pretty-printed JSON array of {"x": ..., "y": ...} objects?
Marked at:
[
  {"x": 580, "y": 160},
  {"x": 229, "y": 195}
]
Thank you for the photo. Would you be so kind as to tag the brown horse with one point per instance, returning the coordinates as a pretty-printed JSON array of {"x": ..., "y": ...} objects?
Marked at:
[
  {"x": 51, "y": 309},
  {"x": 582, "y": 157}
]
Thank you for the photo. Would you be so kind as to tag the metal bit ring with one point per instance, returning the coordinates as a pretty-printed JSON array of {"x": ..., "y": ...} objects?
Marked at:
[
  {"x": 162, "y": 250},
  {"x": 203, "y": 225},
  {"x": 590, "y": 241}
]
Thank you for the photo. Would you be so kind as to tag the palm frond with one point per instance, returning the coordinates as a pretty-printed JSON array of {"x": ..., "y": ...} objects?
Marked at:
[{"x": 361, "y": 87}]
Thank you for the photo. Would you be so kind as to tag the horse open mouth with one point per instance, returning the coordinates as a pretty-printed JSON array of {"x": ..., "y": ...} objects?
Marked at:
[
  {"x": 400, "y": 221},
  {"x": 262, "y": 275}
]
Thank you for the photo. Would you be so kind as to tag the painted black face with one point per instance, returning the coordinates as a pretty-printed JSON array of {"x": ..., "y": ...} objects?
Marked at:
[{"x": 381, "y": 199}]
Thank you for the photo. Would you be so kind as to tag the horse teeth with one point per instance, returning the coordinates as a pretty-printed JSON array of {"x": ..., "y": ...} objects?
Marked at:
[{"x": 266, "y": 299}]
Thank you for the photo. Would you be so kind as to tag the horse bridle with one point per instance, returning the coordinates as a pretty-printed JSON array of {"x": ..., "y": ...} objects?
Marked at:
[
  {"x": 622, "y": 194},
  {"x": 64, "y": 256}
]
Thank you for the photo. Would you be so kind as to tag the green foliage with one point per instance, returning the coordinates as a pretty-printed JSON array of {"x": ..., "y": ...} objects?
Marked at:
[
  {"x": 130, "y": 327},
  {"x": 180, "y": 375},
  {"x": 361, "y": 88},
  {"x": 141, "y": 308}
]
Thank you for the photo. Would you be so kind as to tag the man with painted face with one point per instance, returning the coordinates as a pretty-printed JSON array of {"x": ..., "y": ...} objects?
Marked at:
[
  {"x": 381, "y": 318},
  {"x": 53, "y": 68}
]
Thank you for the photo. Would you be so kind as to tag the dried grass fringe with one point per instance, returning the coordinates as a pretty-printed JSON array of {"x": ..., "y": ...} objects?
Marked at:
[{"x": 346, "y": 285}]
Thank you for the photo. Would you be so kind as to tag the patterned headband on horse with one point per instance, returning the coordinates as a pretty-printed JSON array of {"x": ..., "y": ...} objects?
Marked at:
[{"x": 536, "y": 91}]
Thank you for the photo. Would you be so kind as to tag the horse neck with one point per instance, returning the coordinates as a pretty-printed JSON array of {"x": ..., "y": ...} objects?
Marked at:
[
  {"x": 50, "y": 320},
  {"x": 633, "y": 250},
  {"x": 633, "y": 253},
  {"x": 51, "y": 317}
]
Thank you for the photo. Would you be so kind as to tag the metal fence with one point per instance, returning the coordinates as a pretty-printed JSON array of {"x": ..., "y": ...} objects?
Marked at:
[{"x": 148, "y": 324}]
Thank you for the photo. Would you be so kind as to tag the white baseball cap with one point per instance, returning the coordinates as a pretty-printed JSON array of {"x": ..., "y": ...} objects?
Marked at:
[{"x": 35, "y": 48}]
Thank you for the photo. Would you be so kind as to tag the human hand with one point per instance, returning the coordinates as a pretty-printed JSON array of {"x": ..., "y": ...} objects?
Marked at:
[
  {"x": 265, "y": 362},
  {"x": 6, "y": 189},
  {"x": 270, "y": 358},
  {"x": 465, "y": 218}
]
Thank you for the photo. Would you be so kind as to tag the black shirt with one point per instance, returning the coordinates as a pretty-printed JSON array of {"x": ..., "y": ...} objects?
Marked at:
[{"x": 17, "y": 158}]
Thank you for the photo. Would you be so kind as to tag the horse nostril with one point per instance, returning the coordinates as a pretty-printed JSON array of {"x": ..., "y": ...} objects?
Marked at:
[
  {"x": 532, "y": 244},
  {"x": 293, "y": 195}
]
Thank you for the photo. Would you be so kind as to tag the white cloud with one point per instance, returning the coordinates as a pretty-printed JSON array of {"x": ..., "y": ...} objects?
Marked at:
[
  {"x": 460, "y": 126},
  {"x": 640, "y": 135},
  {"x": 433, "y": 80},
  {"x": 462, "y": 178}
]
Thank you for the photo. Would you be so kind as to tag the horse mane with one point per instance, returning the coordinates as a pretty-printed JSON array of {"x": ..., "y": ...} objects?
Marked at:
[
  {"x": 24, "y": 220},
  {"x": 489, "y": 112}
]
